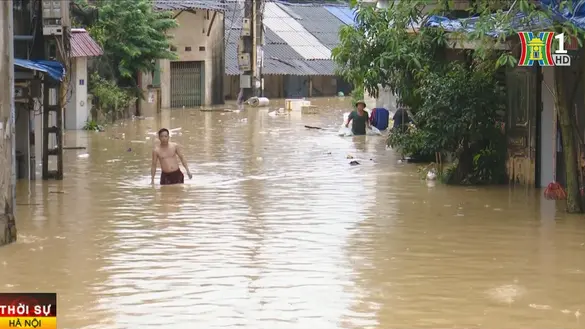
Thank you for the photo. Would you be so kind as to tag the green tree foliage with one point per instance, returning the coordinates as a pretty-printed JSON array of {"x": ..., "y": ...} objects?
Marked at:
[
  {"x": 536, "y": 18},
  {"x": 386, "y": 49},
  {"x": 132, "y": 35},
  {"x": 455, "y": 106},
  {"x": 383, "y": 50},
  {"x": 459, "y": 115}
]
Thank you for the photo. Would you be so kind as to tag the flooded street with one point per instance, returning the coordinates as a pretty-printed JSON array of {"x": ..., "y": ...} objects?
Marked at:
[{"x": 277, "y": 230}]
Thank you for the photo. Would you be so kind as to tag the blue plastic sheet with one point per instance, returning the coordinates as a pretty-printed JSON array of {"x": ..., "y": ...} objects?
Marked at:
[
  {"x": 54, "y": 69},
  {"x": 344, "y": 14},
  {"x": 574, "y": 14}
]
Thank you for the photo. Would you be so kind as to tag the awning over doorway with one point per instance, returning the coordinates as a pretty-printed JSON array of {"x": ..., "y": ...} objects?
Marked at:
[{"x": 53, "y": 68}]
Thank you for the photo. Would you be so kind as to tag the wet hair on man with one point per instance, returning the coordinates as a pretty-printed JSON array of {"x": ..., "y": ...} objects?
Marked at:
[{"x": 162, "y": 130}]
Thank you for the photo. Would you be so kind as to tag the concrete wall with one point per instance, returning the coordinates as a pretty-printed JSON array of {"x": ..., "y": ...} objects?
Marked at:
[
  {"x": 550, "y": 134},
  {"x": 547, "y": 129},
  {"x": 386, "y": 99},
  {"x": 192, "y": 32},
  {"x": 149, "y": 106},
  {"x": 22, "y": 134},
  {"x": 217, "y": 64},
  {"x": 7, "y": 181},
  {"x": 77, "y": 112},
  {"x": 231, "y": 86}
]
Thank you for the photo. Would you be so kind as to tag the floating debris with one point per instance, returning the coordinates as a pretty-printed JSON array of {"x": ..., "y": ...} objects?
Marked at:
[
  {"x": 507, "y": 293},
  {"x": 431, "y": 175},
  {"x": 354, "y": 163}
]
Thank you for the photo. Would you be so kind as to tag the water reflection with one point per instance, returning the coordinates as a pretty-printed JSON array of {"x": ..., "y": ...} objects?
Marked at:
[{"x": 277, "y": 230}]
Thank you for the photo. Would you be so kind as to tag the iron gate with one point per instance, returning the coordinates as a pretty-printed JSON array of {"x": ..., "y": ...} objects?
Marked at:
[{"x": 187, "y": 84}]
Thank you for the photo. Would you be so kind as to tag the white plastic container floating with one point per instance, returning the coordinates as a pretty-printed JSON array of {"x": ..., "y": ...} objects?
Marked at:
[
  {"x": 259, "y": 101},
  {"x": 295, "y": 105}
]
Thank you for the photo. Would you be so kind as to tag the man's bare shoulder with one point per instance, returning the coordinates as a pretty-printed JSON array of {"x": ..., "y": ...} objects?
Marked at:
[{"x": 174, "y": 146}]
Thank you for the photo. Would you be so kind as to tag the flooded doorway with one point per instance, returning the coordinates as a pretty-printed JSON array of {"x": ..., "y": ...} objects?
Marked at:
[{"x": 187, "y": 84}]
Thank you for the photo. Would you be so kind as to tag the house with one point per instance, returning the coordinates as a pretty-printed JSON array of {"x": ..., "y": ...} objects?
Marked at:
[
  {"x": 83, "y": 47},
  {"x": 298, "y": 39},
  {"x": 196, "y": 77}
]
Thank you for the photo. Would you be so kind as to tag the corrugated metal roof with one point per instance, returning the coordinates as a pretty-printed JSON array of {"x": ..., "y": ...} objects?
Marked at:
[
  {"x": 82, "y": 45},
  {"x": 234, "y": 14},
  {"x": 298, "y": 67},
  {"x": 279, "y": 21},
  {"x": 215, "y": 5},
  {"x": 280, "y": 57},
  {"x": 345, "y": 14},
  {"x": 320, "y": 23}
]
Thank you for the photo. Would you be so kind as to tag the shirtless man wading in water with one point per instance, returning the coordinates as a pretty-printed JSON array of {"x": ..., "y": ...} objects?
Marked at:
[{"x": 167, "y": 152}]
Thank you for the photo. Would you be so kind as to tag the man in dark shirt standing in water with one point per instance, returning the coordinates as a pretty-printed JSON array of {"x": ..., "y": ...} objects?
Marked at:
[
  {"x": 167, "y": 153},
  {"x": 401, "y": 119},
  {"x": 360, "y": 119}
]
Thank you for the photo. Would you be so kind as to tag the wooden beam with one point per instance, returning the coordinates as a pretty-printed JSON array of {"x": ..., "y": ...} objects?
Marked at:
[
  {"x": 177, "y": 15},
  {"x": 211, "y": 23}
]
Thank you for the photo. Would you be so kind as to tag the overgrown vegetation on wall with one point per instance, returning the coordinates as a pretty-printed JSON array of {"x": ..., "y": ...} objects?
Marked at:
[
  {"x": 456, "y": 107},
  {"x": 133, "y": 36}
]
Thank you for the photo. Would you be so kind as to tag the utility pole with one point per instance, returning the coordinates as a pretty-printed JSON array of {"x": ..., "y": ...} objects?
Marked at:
[
  {"x": 258, "y": 43},
  {"x": 246, "y": 58},
  {"x": 7, "y": 120},
  {"x": 56, "y": 30},
  {"x": 250, "y": 56}
]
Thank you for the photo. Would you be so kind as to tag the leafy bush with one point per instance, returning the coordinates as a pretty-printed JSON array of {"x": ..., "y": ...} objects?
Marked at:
[
  {"x": 459, "y": 115},
  {"x": 92, "y": 125},
  {"x": 110, "y": 99},
  {"x": 381, "y": 50},
  {"x": 357, "y": 94},
  {"x": 460, "y": 106}
]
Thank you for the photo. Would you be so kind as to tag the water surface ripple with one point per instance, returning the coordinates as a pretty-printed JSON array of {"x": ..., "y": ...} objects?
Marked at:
[{"x": 277, "y": 230}]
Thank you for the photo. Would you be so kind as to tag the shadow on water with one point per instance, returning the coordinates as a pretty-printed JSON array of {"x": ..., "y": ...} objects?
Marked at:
[{"x": 277, "y": 230}]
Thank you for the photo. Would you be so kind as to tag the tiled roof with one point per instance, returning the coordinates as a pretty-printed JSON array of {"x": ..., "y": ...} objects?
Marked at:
[
  {"x": 298, "y": 38},
  {"x": 82, "y": 45},
  {"x": 215, "y": 5}
]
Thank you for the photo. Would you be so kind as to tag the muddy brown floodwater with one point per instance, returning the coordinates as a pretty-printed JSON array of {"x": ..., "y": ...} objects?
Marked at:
[{"x": 277, "y": 230}]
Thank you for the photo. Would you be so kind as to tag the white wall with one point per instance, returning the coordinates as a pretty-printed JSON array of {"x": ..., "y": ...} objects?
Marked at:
[
  {"x": 77, "y": 111},
  {"x": 386, "y": 99}
]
